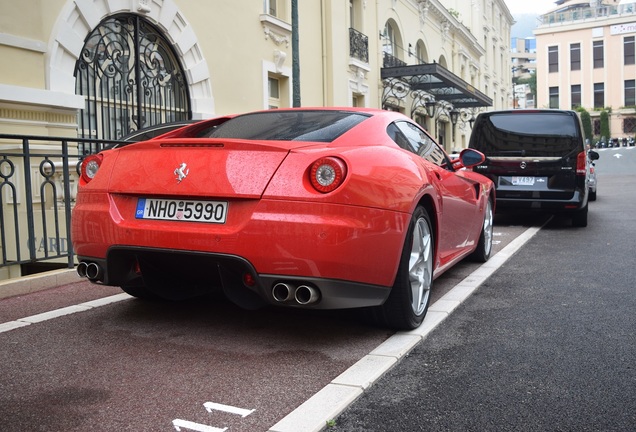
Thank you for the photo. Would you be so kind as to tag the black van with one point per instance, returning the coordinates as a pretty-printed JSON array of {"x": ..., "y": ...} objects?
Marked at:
[{"x": 537, "y": 160}]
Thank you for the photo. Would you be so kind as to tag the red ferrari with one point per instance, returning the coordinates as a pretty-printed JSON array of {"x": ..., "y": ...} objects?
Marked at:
[{"x": 324, "y": 208}]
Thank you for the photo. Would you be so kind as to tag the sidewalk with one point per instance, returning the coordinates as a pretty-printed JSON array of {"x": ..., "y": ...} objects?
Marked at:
[{"x": 37, "y": 282}]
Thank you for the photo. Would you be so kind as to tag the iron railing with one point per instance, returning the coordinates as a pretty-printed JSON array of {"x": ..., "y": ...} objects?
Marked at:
[
  {"x": 358, "y": 45},
  {"x": 38, "y": 185},
  {"x": 389, "y": 60}
]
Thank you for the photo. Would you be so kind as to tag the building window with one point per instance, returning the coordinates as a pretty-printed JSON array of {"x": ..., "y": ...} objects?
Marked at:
[
  {"x": 630, "y": 92},
  {"x": 273, "y": 92},
  {"x": 599, "y": 95},
  {"x": 420, "y": 53},
  {"x": 391, "y": 48},
  {"x": 575, "y": 95},
  {"x": 270, "y": 7},
  {"x": 356, "y": 14},
  {"x": 598, "y": 54},
  {"x": 629, "y": 125},
  {"x": 575, "y": 56},
  {"x": 554, "y": 97},
  {"x": 553, "y": 59},
  {"x": 628, "y": 50}
]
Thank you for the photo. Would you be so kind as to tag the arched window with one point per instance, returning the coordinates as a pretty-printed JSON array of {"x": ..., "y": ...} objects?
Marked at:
[
  {"x": 130, "y": 79},
  {"x": 392, "y": 45},
  {"x": 421, "y": 53}
]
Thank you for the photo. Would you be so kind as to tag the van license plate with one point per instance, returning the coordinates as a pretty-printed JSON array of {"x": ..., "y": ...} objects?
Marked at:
[{"x": 523, "y": 181}]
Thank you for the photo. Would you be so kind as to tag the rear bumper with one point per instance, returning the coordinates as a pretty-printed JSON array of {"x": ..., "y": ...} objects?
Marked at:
[
  {"x": 350, "y": 253},
  {"x": 174, "y": 273},
  {"x": 577, "y": 202}
]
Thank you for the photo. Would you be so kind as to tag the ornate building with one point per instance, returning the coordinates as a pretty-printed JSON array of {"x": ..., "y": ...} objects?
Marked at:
[{"x": 99, "y": 69}]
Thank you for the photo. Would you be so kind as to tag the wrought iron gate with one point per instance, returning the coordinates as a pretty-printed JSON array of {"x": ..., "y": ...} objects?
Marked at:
[{"x": 130, "y": 78}]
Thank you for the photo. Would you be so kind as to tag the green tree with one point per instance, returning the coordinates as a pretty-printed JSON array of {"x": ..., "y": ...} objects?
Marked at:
[
  {"x": 532, "y": 83},
  {"x": 587, "y": 122},
  {"x": 605, "y": 127}
]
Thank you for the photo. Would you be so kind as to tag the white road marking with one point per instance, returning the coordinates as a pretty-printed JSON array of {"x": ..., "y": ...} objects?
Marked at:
[
  {"x": 212, "y": 406},
  {"x": 178, "y": 424},
  {"x": 45, "y": 316}
]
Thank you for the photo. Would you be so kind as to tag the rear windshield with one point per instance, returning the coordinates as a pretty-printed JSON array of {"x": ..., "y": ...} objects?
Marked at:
[
  {"x": 278, "y": 125},
  {"x": 527, "y": 134}
]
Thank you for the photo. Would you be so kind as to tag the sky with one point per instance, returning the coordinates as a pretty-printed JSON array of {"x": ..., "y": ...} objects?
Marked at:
[{"x": 529, "y": 6}]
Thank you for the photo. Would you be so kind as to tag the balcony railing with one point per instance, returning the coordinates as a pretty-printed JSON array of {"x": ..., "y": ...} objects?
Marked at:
[
  {"x": 358, "y": 45},
  {"x": 389, "y": 60},
  {"x": 38, "y": 185},
  {"x": 587, "y": 13}
]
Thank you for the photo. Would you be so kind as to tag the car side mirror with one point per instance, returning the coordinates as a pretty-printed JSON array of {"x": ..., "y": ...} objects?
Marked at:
[
  {"x": 592, "y": 155},
  {"x": 471, "y": 157}
]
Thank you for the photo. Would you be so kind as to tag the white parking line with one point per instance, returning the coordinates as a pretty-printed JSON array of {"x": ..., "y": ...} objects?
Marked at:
[{"x": 45, "y": 316}]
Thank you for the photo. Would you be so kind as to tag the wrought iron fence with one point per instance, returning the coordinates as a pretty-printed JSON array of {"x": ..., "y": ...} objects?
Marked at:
[
  {"x": 358, "y": 45},
  {"x": 389, "y": 60},
  {"x": 38, "y": 185}
]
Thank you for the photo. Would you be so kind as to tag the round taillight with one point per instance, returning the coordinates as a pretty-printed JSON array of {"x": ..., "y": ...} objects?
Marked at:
[
  {"x": 90, "y": 166},
  {"x": 327, "y": 174}
]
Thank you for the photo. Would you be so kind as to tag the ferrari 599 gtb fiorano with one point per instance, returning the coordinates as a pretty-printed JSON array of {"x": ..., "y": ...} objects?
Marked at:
[{"x": 324, "y": 208}]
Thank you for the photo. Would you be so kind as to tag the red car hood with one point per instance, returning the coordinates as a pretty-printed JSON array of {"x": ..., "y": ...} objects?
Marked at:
[{"x": 198, "y": 168}]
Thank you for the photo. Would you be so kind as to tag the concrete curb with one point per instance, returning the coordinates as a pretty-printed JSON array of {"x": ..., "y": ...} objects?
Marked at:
[{"x": 37, "y": 282}]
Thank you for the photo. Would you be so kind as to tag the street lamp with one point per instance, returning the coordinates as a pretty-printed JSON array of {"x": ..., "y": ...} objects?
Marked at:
[
  {"x": 431, "y": 107},
  {"x": 454, "y": 116}
]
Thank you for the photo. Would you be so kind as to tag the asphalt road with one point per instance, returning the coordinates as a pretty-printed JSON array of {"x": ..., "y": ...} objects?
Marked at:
[
  {"x": 548, "y": 343},
  {"x": 209, "y": 366},
  {"x": 131, "y": 365}
]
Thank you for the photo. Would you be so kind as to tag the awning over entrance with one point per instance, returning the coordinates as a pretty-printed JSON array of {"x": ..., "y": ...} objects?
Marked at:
[{"x": 437, "y": 81}]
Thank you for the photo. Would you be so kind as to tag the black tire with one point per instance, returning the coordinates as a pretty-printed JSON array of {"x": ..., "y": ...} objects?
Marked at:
[
  {"x": 484, "y": 245},
  {"x": 579, "y": 218},
  {"x": 592, "y": 196},
  {"x": 408, "y": 302}
]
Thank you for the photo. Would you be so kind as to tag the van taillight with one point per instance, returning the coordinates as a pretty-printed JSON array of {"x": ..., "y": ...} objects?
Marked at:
[{"x": 580, "y": 163}]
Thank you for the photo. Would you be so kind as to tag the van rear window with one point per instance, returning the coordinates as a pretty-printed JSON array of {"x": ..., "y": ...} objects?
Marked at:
[
  {"x": 536, "y": 124},
  {"x": 527, "y": 135}
]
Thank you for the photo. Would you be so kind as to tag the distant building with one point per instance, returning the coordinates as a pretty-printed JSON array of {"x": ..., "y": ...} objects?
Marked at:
[
  {"x": 523, "y": 56},
  {"x": 585, "y": 58}
]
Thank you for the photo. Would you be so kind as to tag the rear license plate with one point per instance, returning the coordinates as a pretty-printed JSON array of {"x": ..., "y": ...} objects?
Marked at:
[
  {"x": 182, "y": 210},
  {"x": 523, "y": 181}
]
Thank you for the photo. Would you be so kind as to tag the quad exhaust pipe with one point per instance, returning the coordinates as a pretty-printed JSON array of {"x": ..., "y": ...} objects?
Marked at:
[
  {"x": 302, "y": 295},
  {"x": 90, "y": 270}
]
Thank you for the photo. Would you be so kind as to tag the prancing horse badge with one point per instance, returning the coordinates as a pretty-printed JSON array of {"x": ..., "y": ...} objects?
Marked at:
[{"x": 181, "y": 172}]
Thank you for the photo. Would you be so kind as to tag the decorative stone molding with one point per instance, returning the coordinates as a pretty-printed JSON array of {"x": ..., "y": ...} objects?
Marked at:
[
  {"x": 276, "y": 30},
  {"x": 278, "y": 39},
  {"x": 143, "y": 6},
  {"x": 37, "y": 117},
  {"x": 445, "y": 30},
  {"x": 358, "y": 81},
  {"x": 279, "y": 60},
  {"x": 423, "y": 6}
]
